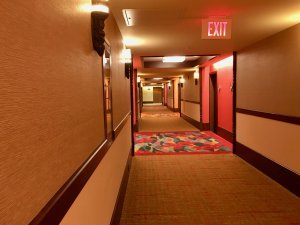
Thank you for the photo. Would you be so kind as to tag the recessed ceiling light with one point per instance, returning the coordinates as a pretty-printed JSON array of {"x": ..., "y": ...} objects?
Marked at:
[{"x": 173, "y": 59}]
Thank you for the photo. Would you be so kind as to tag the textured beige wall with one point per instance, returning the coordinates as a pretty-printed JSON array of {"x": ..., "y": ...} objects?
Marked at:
[
  {"x": 96, "y": 201},
  {"x": 268, "y": 74},
  {"x": 170, "y": 102},
  {"x": 268, "y": 80},
  {"x": 191, "y": 109},
  {"x": 190, "y": 91},
  {"x": 51, "y": 115},
  {"x": 120, "y": 84},
  {"x": 171, "y": 94},
  {"x": 273, "y": 139}
]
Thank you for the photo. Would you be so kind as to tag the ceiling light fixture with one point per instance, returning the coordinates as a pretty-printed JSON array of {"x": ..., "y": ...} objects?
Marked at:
[
  {"x": 157, "y": 78},
  {"x": 127, "y": 17},
  {"x": 173, "y": 59}
]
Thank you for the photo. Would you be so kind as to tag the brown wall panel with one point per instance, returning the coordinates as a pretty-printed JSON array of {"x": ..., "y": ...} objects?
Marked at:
[
  {"x": 268, "y": 74},
  {"x": 51, "y": 113}
]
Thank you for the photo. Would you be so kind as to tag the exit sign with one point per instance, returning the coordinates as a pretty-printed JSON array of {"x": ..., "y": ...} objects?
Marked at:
[{"x": 216, "y": 28}]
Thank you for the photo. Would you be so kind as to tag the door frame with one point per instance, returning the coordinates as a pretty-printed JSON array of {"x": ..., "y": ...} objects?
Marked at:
[{"x": 213, "y": 101}]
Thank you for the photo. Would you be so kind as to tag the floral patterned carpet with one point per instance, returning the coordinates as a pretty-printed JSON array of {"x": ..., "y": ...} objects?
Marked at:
[
  {"x": 159, "y": 115},
  {"x": 186, "y": 142}
]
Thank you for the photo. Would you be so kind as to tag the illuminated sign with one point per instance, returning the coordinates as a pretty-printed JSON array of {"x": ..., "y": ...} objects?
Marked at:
[{"x": 216, "y": 28}]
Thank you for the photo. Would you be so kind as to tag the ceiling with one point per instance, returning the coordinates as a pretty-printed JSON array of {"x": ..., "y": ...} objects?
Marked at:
[{"x": 173, "y": 27}]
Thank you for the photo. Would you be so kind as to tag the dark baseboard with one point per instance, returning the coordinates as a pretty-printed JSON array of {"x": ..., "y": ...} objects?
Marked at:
[
  {"x": 148, "y": 102},
  {"x": 135, "y": 127},
  {"x": 280, "y": 174},
  {"x": 205, "y": 126},
  {"x": 121, "y": 195},
  {"x": 172, "y": 109},
  {"x": 176, "y": 110},
  {"x": 195, "y": 123},
  {"x": 225, "y": 134}
]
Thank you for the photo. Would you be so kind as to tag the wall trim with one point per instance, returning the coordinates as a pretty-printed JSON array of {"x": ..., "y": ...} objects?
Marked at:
[
  {"x": 135, "y": 128},
  {"x": 116, "y": 217},
  {"x": 195, "y": 102},
  {"x": 280, "y": 174},
  {"x": 205, "y": 126},
  {"x": 234, "y": 80},
  {"x": 192, "y": 121},
  {"x": 120, "y": 126},
  {"x": 272, "y": 116},
  {"x": 56, "y": 208},
  {"x": 225, "y": 134}
]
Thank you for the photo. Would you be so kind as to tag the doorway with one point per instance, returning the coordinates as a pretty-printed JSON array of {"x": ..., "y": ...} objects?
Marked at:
[
  {"x": 157, "y": 95},
  {"x": 179, "y": 98},
  {"x": 213, "y": 102}
]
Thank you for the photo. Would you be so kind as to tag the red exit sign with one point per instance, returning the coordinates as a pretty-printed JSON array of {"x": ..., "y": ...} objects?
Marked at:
[{"x": 216, "y": 28}]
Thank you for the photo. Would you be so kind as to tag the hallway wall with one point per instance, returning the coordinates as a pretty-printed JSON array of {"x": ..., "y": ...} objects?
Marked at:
[
  {"x": 268, "y": 81},
  {"x": 51, "y": 113},
  {"x": 96, "y": 202},
  {"x": 225, "y": 95},
  {"x": 121, "y": 102},
  {"x": 176, "y": 81},
  {"x": 190, "y": 96},
  {"x": 170, "y": 99}
]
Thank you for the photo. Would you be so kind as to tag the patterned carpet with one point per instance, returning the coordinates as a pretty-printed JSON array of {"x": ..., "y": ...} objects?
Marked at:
[
  {"x": 187, "y": 142},
  {"x": 204, "y": 189},
  {"x": 159, "y": 115}
]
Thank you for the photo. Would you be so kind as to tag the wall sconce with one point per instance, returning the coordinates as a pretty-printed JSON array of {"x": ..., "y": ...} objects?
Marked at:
[
  {"x": 126, "y": 58},
  {"x": 99, "y": 13},
  {"x": 196, "y": 76},
  {"x": 181, "y": 81},
  {"x": 126, "y": 55},
  {"x": 138, "y": 81},
  {"x": 169, "y": 85}
]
